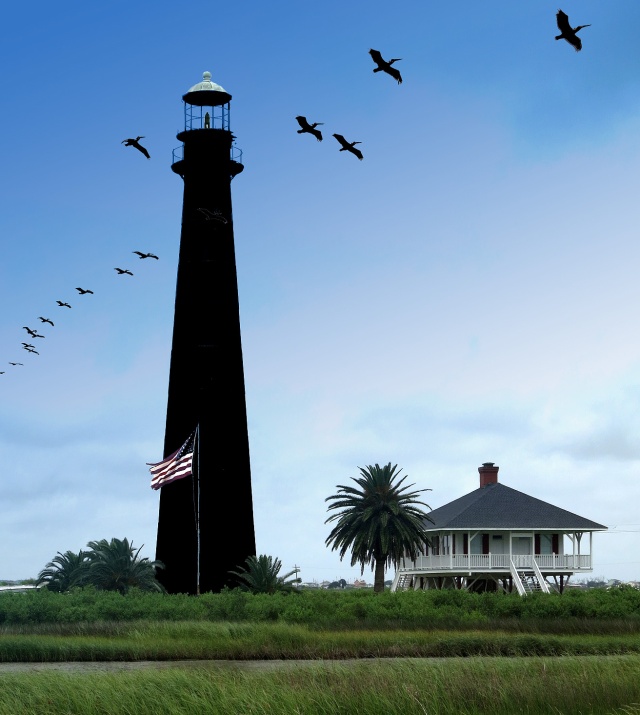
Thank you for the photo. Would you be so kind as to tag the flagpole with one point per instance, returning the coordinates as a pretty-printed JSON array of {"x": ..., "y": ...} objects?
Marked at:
[{"x": 197, "y": 438}]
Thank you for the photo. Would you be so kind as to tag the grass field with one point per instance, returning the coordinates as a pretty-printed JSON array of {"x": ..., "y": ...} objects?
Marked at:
[
  {"x": 168, "y": 640},
  {"x": 454, "y": 686},
  {"x": 438, "y": 653}
]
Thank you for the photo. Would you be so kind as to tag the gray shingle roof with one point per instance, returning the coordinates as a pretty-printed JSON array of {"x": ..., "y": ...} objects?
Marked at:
[{"x": 497, "y": 506}]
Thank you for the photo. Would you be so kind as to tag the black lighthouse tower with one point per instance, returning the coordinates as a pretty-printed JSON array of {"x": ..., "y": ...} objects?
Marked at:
[{"x": 205, "y": 523}]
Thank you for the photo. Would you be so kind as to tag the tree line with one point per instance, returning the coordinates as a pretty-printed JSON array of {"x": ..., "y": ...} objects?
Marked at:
[{"x": 379, "y": 521}]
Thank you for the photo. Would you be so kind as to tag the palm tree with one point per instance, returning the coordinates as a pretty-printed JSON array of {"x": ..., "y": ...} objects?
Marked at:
[
  {"x": 115, "y": 566},
  {"x": 64, "y": 571},
  {"x": 261, "y": 575},
  {"x": 379, "y": 521}
]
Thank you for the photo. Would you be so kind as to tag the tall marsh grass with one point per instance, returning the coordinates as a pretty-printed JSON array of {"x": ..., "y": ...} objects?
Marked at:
[
  {"x": 167, "y": 640},
  {"x": 465, "y": 686}
]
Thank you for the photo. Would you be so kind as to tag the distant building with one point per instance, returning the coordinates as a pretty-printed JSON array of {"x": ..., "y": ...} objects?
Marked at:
[{"x": 19, "y": 588}]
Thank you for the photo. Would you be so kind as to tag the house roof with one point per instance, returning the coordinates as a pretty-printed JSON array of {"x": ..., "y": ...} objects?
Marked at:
[{"x": 496, "y": 506}]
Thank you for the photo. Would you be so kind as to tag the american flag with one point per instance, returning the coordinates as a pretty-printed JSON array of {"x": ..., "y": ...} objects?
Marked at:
[{"x": 176, "y": 466}]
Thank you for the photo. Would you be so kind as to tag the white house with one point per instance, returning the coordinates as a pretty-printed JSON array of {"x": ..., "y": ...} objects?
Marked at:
[{"x": 497, "y": 538}]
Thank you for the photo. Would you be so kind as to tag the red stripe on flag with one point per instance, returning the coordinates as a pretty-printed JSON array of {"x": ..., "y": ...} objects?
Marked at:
[{"x": 176, "y": 466}]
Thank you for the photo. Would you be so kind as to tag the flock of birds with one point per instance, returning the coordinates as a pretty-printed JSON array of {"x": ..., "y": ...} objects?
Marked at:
[
  {"x": 207, "y": 214},
  {"x": 382, "y": 65},
  {"x": 568, "y": 33},
  {"x": 33, "y": 332}
]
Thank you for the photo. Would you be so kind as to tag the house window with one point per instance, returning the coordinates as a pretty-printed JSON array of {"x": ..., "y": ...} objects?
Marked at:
[
  {"x": 476, "y": 544},
  {"x": 546, "y": 544},
  {"x": 497, "y": 544}
]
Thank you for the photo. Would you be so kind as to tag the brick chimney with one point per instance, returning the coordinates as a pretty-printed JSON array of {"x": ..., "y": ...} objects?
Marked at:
[{"x": 488, "y": 474}]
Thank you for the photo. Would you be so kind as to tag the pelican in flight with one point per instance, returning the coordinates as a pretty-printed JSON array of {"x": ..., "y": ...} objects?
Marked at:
[
  {"x": 215, "y": 215},
  {"x": 567, "y": 32},
  {"x": 32, "y": 333},
  {"x": 349, "y": 146},
  {"x": 121, "y": 271},
  {"x": 16, "y": 363},
  {"x": 28, "y": 345},
  {"x": 31, "y": 350},
  {"x": 309, "y": 128},
  {"x": 134, "y": 142},
  {"x": 61, "y": 303},
  {"x": 84, "y": 290},
  {"x": 145, "y": 255},
  {"x": 384, "y": 66},
  {"x": 45, "y": 320}
]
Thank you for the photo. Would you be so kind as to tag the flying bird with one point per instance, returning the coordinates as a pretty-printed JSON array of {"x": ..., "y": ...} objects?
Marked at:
[
  {"x": 123, "y": 270},
  {"x": 145, "y": 255},
  {"x": 384, "y": 66},
  {"x": 215, "y": 215},
  {"x": 349, "y": 146},
  {"x": 65, "y": 305},
  {"x": 16, "y": 363},
  {"x": 134, "y": 142},
  {"x": 84, "y": 290},
  {"x": 567, "y": 32},
  {"x": 31, "y": 350},
  {"x": 46, "y": 320},
  {"x": 309, "y": 128},
  {"x": 32, "y": 333},
  {"x": 28, "y": 345}
]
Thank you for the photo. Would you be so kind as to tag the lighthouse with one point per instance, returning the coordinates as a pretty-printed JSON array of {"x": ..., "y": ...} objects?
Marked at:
[{"x": 205, "y": 522}]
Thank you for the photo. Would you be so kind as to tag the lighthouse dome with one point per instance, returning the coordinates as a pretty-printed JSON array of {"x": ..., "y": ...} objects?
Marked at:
[{"x": 206, "y": 93}]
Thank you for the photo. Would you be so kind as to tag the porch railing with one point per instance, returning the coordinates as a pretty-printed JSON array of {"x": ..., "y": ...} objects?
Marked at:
[{"x": 485, "y": 562}]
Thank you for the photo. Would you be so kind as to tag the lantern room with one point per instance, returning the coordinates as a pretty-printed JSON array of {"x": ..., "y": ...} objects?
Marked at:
[
  {"x": 206, "y": 106},
  {"x": 206, "y": 125}
]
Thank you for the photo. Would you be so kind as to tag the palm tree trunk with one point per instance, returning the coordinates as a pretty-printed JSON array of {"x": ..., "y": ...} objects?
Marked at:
[{"x": 378, "y": 579}]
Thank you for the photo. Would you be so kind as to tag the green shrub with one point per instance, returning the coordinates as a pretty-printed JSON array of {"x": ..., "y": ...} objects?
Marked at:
[{"x": 576, "y": 611}]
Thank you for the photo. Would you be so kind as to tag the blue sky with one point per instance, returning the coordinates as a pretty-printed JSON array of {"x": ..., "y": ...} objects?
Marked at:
[{"x": 467, "y": 293}]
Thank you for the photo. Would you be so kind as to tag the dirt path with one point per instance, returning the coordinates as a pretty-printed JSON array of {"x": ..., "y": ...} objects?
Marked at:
[{"x": 119, "y": 666}]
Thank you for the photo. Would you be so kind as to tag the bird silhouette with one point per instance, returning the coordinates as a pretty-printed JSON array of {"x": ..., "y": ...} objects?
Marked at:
[
  {"x": 31, "y": 350},
  {"x": 16, "y": 363},
  {"x": 145, "y": 255},
  {"x": 123, "y": 270},
  {"x": 28, "y": 345},
  {"x": 567, "y": 32},
  {"x": 84, "y": 290},
  {"x": 384, "y": 66},
  {"x": 215, "y": 215},
  {"x": 32, "y": 333},
  {"x": 309, "y": 128},
  {"x": 46, "y": 320},
  {"x": 349, "y": 146},
  {"x": 65, "y": 305},
  {"x": 134, "y": 142}
]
